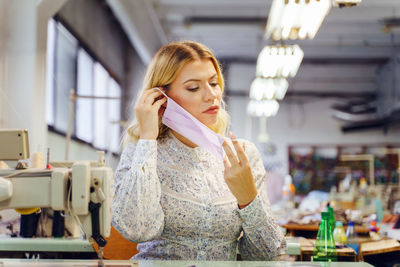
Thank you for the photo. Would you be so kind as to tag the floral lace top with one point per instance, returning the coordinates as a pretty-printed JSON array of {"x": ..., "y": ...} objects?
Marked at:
[{"x": 174, "y": 202}]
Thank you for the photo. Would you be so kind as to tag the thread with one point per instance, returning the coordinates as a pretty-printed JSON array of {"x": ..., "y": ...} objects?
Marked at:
[{"x": 37, "y": 160}]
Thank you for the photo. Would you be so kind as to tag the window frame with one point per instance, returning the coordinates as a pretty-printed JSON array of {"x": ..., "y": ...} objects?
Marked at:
[{"x": 112, "y": 77}]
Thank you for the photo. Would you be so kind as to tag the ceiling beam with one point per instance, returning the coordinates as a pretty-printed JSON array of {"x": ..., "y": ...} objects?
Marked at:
[
  {"x": 322, "y": 60},
  {"x": 309, "y": 94},
  {"x": 207, "y": 3},
  {"x": 141, "y": 24},
  {"x": 384, "y": 123},
  {"x": 225, "y": 20}
]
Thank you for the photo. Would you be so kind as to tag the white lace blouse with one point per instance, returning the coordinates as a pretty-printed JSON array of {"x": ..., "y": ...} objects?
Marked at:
[{"x": 174, "y": 202}]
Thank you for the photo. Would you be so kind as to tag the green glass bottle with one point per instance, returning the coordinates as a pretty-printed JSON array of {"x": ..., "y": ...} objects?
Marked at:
[
  {"x": 332, "y": 220},
  {"x": 325, "y": 249}
]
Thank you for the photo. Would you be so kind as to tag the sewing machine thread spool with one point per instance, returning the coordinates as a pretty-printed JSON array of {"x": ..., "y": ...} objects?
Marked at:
[
  {"x": 37, "y": 160},
  {"x": 28, "y": 224},
  {"x": 58, "y": 226}
]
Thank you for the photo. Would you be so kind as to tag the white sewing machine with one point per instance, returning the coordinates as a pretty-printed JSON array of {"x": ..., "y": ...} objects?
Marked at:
[{"x": 82, "y": 190}]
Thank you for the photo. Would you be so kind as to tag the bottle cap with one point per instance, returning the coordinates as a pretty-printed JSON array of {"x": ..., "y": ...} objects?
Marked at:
[
  {"x": 350, "y": 223},
  {"x": 339, "y": 224}
]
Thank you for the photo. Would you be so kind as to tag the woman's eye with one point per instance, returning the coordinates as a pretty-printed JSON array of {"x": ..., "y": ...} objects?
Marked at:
[
  {"x": 213, "y": 84},
  {"x": 193, "y": 88}
]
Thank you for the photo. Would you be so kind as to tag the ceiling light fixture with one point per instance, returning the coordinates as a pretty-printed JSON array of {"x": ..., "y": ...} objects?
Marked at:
[
  {"x": 262, "y": 108},
  {"x": 346, "y": 3},
  {"x": 275, "y": 64},
  {"x": 266, "y": 88},
  {"x": 279, "y": 61},
  {"x": 296, "y": 19}
]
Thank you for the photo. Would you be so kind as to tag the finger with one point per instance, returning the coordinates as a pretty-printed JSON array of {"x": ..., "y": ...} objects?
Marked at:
[
  {"x": 154, "y": 91},
  {"x": 161, "y": 111},
  {"x": 227, "y": 165},
  {"x": 240, "y": 152},
  {"x": 150, "y": 91},
  {"x": 158, "y": 105},
  {"x": 233, "y": 160},
  {"x": 232, "y": 135},
  {"x": 159, "y": 101},
  {"x": 158, "y": 88},
  {"x": 158, "y": 98},
  {"x": 151, "y": 97},
  {"x": 144, "y": 95}
]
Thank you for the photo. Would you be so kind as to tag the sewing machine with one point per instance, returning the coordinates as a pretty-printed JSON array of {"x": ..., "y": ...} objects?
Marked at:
[{"x": 81, "y": 190}]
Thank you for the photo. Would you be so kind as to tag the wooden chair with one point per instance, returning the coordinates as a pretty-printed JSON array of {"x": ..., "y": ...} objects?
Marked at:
[
  {"x": 118, "y": 248},
  {"x": 373, "y": 252}
]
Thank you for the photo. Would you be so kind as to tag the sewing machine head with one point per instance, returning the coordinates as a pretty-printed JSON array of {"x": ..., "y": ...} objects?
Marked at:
[{"x": 82, "y": 191}]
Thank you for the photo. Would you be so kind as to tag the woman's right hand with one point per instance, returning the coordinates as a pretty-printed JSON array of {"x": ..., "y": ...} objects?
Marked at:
[{"x": 147, "y": 113}]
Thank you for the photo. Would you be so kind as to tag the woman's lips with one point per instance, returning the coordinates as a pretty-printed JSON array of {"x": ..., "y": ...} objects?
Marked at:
[{"x": 212, "y": 110}]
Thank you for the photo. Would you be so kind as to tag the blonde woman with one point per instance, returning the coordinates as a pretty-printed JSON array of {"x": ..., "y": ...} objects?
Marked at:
[{"x": 176, "y": 199}]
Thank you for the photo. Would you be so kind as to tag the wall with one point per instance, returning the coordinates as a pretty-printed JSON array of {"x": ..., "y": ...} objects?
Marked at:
[
  {"x": 93, "y": 23},
  {"x": 23, "y": 26},
  {"x": 135, "y": 71},
  {"x": 78, "y": 151}
]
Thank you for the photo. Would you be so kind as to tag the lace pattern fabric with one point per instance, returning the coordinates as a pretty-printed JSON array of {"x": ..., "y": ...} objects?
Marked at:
[{"x": 174, "y": 202}]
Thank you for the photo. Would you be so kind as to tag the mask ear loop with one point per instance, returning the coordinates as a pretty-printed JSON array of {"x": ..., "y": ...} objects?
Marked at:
[{"x": 158, "y": 88}]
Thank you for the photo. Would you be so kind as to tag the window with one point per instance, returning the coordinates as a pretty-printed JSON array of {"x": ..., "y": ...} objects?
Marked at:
[
  {"x": 84, "y": 107},
  {"x": 97, "y": 108}
]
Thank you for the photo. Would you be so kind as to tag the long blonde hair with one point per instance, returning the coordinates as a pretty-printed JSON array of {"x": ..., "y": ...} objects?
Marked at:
[{"x": 163, "y": 70}]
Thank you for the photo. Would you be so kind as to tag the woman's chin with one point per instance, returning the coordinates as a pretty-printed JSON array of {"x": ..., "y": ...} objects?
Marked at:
[
  {"x": 210, "y": 124},
  {"x": 209, "y": 120}
]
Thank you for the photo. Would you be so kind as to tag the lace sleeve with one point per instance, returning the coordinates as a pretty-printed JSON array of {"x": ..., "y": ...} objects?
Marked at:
[
  {"x": 137, "y": 212},
  {"x": 262, "y": 238}
]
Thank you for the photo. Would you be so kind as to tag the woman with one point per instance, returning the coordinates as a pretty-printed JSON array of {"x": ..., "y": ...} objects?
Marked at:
[{"x": 178, "y": 200}]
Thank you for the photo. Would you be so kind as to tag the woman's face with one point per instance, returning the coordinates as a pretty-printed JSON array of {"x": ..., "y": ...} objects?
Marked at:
[{"x": 196, "y": 89}]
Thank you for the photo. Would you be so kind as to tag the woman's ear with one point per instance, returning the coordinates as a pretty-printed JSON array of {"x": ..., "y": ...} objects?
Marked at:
[{"x": 164, "y": 88}]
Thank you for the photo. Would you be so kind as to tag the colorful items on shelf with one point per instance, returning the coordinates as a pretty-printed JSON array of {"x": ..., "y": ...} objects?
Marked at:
[
  {"x": 339, "y": 234},
  {"x": 352, "y": 238}
]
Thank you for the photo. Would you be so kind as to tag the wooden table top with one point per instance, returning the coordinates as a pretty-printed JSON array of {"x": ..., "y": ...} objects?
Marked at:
[
  {"x": 314, "y": 227},
  {"x": 307, "y": 247}
]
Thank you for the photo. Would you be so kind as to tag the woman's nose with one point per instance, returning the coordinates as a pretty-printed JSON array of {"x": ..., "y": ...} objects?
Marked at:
[{"x": 210, "y": 93}]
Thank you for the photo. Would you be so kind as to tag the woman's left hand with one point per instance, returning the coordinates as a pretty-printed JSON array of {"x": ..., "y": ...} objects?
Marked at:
[{"x": 238, "y": 175}]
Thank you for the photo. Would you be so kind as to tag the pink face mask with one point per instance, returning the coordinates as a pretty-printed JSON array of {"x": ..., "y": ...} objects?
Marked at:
[{"x": 181, "y": 121}]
